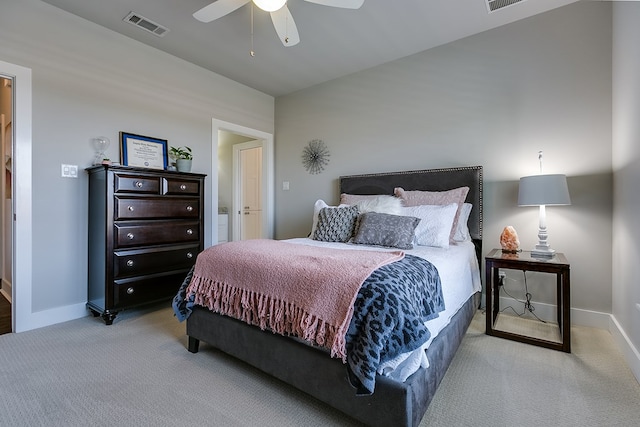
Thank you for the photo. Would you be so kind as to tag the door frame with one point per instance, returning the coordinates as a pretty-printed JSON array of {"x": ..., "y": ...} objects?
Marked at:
[
  {"x": 22, "y": 318},
  {"x": 267, "y": 173}
]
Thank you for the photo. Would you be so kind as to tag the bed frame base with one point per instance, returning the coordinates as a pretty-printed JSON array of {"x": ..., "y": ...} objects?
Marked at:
[{"x": 313, "y": 372}]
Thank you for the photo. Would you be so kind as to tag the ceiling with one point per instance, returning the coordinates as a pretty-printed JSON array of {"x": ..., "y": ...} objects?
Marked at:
[{"x": 334, "y": 42}]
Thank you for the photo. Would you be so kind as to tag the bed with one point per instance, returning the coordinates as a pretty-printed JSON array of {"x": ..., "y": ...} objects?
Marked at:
[{"x": 396, "y": 401}]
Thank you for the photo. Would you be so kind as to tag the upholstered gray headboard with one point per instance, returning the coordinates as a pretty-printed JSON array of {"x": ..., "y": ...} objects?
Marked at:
[{"x": 425, "y": 180}]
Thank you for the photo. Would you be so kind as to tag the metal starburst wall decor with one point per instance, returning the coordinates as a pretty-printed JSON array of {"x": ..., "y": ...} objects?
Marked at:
[{"x": 315, "y": 156}]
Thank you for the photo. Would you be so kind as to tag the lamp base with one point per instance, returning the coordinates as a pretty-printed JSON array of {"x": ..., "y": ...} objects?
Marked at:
[{"x": 543, "y": 253}]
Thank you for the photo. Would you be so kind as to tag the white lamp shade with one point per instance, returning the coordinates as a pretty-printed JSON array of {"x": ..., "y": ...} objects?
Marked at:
[
  {"x": 270, "y": 5},
  {"x": 548, "y": 190}
]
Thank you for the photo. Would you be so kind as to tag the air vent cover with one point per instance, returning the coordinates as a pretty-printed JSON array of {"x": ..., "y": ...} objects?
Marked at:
[
  {"x": 493, "y": 5},
  {"x": 146, "y": 24}
]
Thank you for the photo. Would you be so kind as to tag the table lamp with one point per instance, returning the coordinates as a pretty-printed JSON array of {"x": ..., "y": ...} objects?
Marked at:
[{"x": 543, "y": 190}]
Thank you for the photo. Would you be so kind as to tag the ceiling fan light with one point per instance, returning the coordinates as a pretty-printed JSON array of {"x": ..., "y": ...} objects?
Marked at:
[{"x": 270, "y": 5}]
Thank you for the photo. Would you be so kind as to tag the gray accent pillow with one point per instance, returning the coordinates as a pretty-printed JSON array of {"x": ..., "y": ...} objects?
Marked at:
[
  {"x": 380, "y": 229},
  {"x": 336, "y": 224}
]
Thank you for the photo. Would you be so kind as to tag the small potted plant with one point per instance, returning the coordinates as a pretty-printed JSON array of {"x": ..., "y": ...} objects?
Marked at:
[{"x": 183, "y": 158}]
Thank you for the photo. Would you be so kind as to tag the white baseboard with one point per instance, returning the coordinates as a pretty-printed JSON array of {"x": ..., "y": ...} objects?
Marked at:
[
  {"x": 5, "y": 289},
  {"x": 625, "y": 345},
  {"x": 5, "y": 295},
  {"x": 547, "y": 312},
  {"x": 44, "y": 318}
]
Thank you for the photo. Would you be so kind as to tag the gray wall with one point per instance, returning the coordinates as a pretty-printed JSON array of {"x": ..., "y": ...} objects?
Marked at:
[
  {"x": 493, "y": 99},
  {"x": 89, "y": 81},
  {"x": 626, "y": 164}
]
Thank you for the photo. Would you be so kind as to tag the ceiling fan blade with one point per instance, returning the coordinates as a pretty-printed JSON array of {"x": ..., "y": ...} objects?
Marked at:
[
  {"x": 285, "y": 26},
  {"x": 345, "y": 4},
  {"x": 218, "y": 9}
]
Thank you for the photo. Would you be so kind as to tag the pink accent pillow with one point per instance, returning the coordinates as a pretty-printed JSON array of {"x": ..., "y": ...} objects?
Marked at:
[{"x": 417, "y": 198}]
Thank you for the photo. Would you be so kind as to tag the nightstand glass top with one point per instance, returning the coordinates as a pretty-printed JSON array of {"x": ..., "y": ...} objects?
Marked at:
[{"x": 525, "y": 256}]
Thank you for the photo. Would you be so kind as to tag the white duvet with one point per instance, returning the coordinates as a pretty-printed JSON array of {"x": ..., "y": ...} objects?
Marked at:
[{"x": 460, "y": 278}]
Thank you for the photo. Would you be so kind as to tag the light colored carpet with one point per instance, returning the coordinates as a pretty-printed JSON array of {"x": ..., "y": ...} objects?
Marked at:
[
  {"x": 498, "y": 382},
  {"x": 138, "y": 372}
]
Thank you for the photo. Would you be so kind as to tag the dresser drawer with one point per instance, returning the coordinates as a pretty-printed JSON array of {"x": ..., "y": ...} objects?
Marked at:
[
  {"x": 140, "y": 184},
  {"x": 131, "y": 208},
  {"x": 157, "y": 287},
  {"x": 173, "y": 186},
  {"x": 155, "y": 233},
  {"x": 128, "y": 263}
]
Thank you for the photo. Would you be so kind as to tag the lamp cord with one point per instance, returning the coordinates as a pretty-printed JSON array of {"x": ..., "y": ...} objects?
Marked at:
[
  {"x": 540, "y": 159},
  {"x": 527, "y": 303}
]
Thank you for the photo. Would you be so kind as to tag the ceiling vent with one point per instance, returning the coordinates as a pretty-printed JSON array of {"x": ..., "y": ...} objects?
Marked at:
[
  {"x": 146, "y": 24},
  {"x": 493, "y": 5}
]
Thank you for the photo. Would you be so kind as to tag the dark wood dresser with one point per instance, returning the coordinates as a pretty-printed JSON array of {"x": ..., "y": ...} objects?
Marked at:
[{"x": 146, "y": 228}]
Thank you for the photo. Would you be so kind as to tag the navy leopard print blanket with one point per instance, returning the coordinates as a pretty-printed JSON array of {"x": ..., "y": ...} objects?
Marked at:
[{"x": 389, "y": 314}]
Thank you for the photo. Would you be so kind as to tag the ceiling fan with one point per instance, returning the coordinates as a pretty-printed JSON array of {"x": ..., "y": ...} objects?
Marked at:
[{"x": 280, "y": 16}]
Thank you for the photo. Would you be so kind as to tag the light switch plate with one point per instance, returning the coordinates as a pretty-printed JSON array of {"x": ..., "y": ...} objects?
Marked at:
[{"x": 69, "y": 171}]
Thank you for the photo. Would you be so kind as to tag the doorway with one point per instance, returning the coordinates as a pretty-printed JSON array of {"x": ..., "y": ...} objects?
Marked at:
[
  {"x": 22, "y": 317},
  {"x": 226, "y": 139},
  {"x": 6, "y": 204}
]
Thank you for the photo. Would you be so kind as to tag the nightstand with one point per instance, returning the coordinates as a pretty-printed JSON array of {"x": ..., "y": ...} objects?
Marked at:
[{"x": 523, "y": 261}]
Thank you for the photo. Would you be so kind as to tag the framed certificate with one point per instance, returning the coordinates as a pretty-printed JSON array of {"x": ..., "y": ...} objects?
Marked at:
[{"x": 143, "y": 151}]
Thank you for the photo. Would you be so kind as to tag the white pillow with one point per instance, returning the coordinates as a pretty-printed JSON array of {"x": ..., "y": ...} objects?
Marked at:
[
  {"x": 381, "y": 204},
  {"x": 462, "y": 228},
  {"x": 435, "y": 224},
  {"x": 419, "y": 197},
  {"x": 316, "y": 209}
]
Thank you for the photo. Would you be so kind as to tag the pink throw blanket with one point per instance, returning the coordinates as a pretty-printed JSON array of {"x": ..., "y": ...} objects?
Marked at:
[{"x": 292, "y": 289}]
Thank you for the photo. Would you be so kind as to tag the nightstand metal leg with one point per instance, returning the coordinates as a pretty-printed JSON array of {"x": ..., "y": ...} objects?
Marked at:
[
  {"x": 560, "y": 302},
  {"x": 489, "y": 300},
  {"x": 496, "y": 294}
]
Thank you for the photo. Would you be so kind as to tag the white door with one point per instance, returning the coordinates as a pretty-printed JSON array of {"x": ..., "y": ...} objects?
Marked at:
[
  {"x": 249, "y": 189},
  {"x": 251, "y": 193}
]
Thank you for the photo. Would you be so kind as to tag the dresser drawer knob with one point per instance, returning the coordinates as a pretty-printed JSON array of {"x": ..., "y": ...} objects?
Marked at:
[
  {"x": 130, "y": 263},
  {"x": 130, "y": 291},
  {"x": 189, "y": 255},
  {"x": 183, "y": 187},
  {"x": 138, "y": 184},
  {"x": 130, "y": 208},
  {"x": 189, "y": 231},
  {"x": 130, "y": 236},
  {"x": 189, "y": 208}
]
